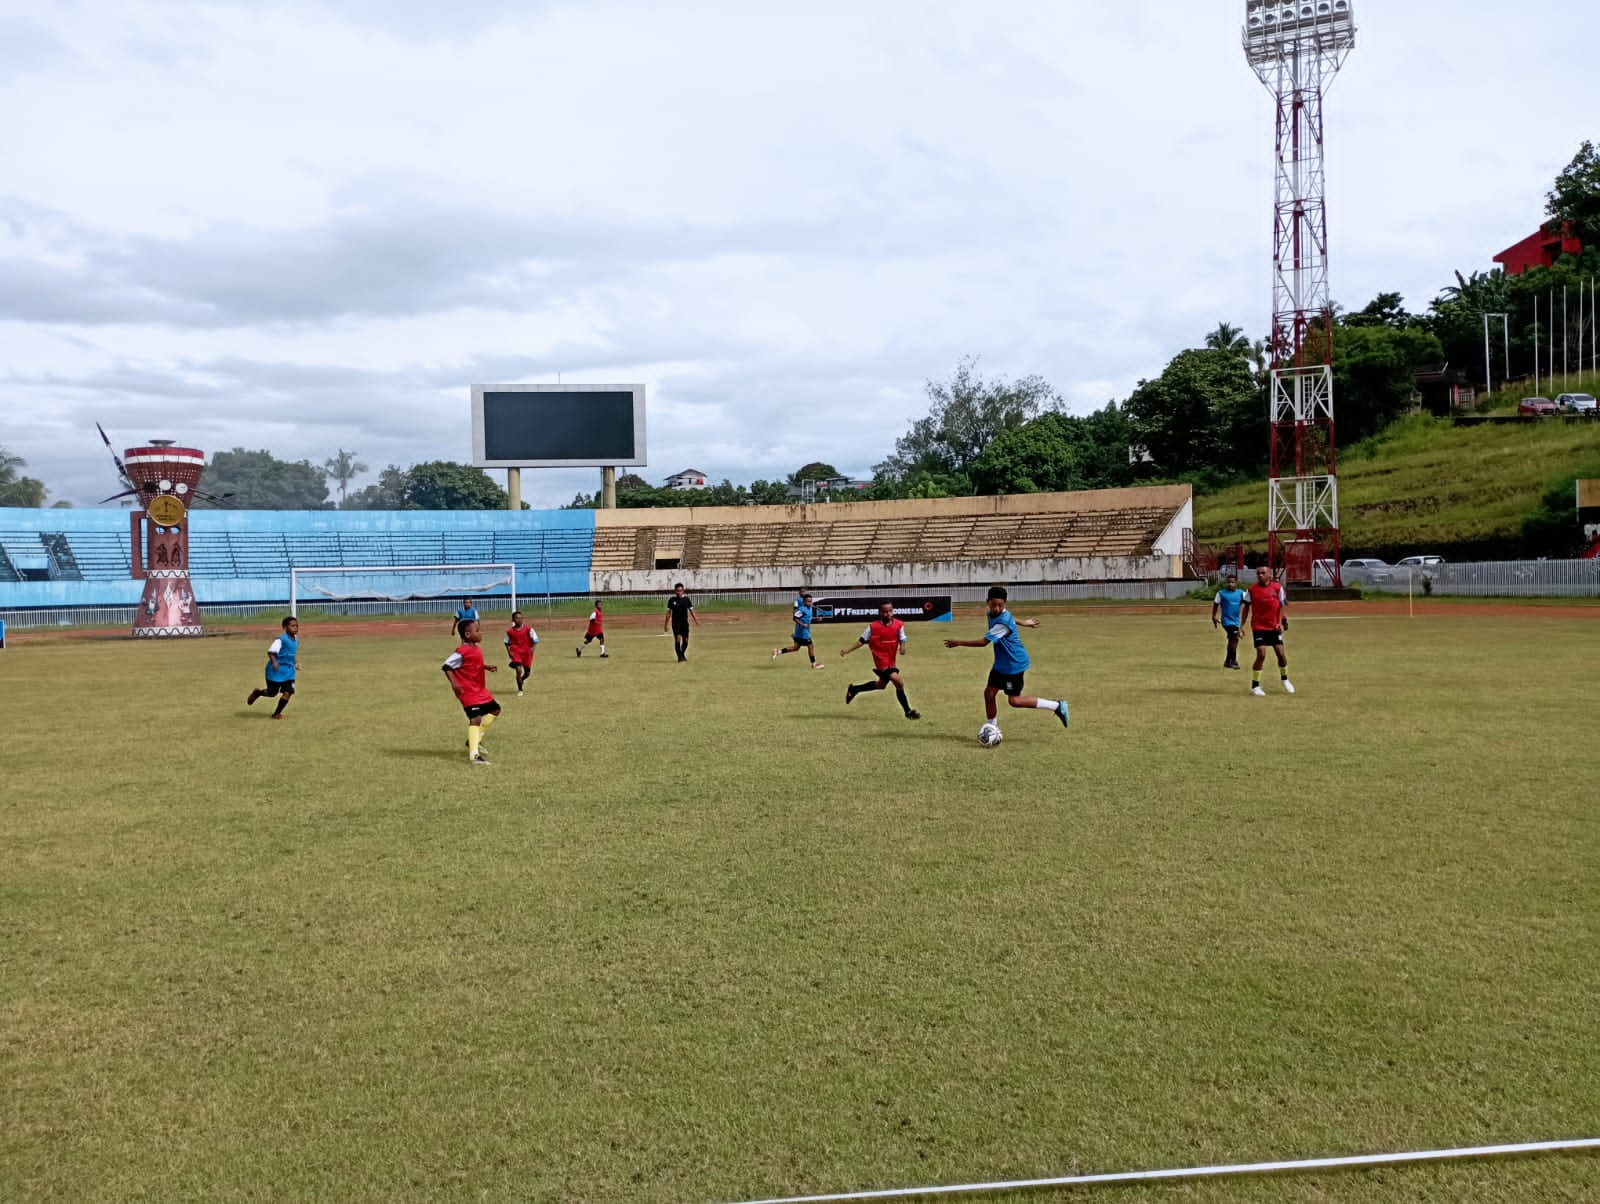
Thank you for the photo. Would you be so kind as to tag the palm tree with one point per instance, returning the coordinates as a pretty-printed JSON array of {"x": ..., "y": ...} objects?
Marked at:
[
  {"x": 342, "y": 469},
  {"x": 1228, "y": 337}
]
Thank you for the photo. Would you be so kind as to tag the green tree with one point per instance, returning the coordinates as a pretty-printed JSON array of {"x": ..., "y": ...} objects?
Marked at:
[
  {"x": 388, "y": 494},
  {"x": 1197, "y": 415},
  {"x": 630, "y": 482},
  {"x": 1373, "y": 369},
  {"x": 1386, "y": 309},
  {"x": 258, "y": 480},
  {"x": 1228, "y": 337},
  {"x": 815, "y": 471},
  {"x": 1575, "y": 199},
  {"x": 342, "y": 469},
  {"x": 446, "y": 485},
  {"x": 966, "y": 414},
  {"x": 16, "y": 489},
  {"x": 1040, "y": 456}
]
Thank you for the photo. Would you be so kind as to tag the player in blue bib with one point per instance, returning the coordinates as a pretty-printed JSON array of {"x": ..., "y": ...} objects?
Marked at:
[
  {"x": 1010, "y": 661},
  {"x": 1226, "y": 610},
  {"x": 804, "y": 613},
  {"x": 467, "y": 614},
  {"x": 282, "y": 655}
]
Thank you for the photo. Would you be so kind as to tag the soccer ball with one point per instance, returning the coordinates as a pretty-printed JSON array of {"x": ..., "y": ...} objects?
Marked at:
[{"x": 989, "y": 735}]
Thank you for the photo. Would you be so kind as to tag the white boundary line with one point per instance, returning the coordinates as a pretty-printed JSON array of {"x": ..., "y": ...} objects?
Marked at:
[{"x": 1207, "y": 1172}]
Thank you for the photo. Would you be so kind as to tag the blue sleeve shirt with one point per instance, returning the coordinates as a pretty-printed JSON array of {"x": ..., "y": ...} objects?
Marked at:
[
  {"x": 802, "y": 621},
  {"x": 1010, "y": 657},
  {"x": 1230, "y": 600}
]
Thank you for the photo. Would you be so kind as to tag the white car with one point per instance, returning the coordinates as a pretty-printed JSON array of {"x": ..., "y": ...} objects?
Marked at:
[
  {"x": 1418, "y": 562},
  {"x": 1576, "y": 403}
]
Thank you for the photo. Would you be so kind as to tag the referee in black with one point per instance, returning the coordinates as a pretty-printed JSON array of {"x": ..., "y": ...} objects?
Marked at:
[{"x": 680, "y": 609}]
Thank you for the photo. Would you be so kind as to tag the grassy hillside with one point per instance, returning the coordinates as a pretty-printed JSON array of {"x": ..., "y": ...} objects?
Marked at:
[{"x": 1425, "y": 484}]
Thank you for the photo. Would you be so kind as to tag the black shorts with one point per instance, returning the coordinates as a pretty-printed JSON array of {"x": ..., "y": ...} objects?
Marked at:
[
  {"x": 681, "y": 631},
  {"x": 886, "y": 674},
  {"x": 1267, "y": 639},
  {"x": 274, "y": 688},
  {"x": 1008, "y": 684},
  {"x": 482, "y": 709},
  {"x": 1232, "y": 631},
  {"x": 596, "y": 635}
]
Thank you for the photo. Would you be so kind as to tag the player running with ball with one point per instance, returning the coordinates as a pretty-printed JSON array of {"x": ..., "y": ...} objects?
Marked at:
[
  {"x": 464, "y": 669},
  {"x": 1010, "y": 661},
  {"x": 886, "y": 636}
]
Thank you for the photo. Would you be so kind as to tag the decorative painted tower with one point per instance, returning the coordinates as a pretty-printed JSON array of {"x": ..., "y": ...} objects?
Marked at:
[{"x": 166, "y": 480}]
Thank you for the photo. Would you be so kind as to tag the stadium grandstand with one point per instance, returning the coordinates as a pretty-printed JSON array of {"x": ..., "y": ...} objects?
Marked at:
[{"x": 81, "y": 558}]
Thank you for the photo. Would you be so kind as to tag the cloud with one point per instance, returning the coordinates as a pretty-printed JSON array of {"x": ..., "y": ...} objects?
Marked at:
[{"x": 305, "y": 227}]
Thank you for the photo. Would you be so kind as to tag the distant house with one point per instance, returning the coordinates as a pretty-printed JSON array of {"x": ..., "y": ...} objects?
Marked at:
[
  {"x": 1443, "y": 390},
  {"x": 835, "y": 486},
  {"x": 689, "y": 478},
  {"x": 1539, "y": 250}
]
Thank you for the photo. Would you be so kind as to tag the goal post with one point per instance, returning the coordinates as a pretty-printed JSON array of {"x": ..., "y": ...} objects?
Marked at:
[{"x": 397, "y": 582}]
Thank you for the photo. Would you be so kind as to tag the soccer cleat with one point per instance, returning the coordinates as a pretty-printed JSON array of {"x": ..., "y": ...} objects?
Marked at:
[
  {"x": 1258, "y": 691},
  {"x": 913, "y": 714},
  {"x": 577, "y": 652},
  {"x": 849, "y": 695},
  {"x": 251, "y": 701},
  {"x": 776, "y": 653},
  {"x": 605, "y": 656},
  {"x": 1288, "y": 686},
  {"x": 519, "y": 693},
  {"x": 817, "y": 666},
  {"x": 1061, "y": 713},
  {"x": 480, "y": 759}
]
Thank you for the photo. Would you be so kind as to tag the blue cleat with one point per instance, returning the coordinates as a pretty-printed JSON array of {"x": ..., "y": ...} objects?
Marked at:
[{"x": 1061, "y": 712}]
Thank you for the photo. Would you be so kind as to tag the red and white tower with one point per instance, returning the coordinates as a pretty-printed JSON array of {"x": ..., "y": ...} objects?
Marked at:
[{"x": 1296, "y": 48}]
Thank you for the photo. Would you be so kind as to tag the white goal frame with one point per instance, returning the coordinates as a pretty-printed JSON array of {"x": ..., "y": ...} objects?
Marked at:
[{"x": 296, "y": 572}]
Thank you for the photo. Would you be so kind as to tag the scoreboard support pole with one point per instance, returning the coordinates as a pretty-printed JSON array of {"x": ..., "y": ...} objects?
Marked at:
[
  {"x": 608, "y": 488},
  {"x": 513, "y": 489}
]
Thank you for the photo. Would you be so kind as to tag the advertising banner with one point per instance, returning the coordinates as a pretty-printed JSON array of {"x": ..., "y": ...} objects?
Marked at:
[{"x": 859, "y": 608}]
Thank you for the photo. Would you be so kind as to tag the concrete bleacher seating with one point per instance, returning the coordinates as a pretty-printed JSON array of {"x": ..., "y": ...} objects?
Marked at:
[{"x": 1061, "y": 534}]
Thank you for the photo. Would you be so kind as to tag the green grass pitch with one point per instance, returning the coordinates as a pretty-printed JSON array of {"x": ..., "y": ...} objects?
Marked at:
[{"x": 701, "y": 932}]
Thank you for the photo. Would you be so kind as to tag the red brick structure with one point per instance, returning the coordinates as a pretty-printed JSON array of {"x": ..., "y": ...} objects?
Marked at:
[{"x": 1540, "y": 249}]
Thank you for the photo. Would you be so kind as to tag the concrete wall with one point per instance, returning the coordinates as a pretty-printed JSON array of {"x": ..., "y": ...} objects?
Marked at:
[
  {"x": 1175, "y": 496},
  {"x": 892, "y": 576}
]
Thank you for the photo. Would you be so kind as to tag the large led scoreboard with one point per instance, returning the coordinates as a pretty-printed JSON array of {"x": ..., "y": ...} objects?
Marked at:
[{"x": 557, "y": 426}]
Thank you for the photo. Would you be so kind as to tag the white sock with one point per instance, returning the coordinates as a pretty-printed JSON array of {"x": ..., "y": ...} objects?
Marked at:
[
  {"x": 602, "y": 649},
  {"x": 1044, "y": 704}
]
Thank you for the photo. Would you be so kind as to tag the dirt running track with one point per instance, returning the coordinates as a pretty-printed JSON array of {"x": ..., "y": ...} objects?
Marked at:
[{"x": 779, "y": 623}]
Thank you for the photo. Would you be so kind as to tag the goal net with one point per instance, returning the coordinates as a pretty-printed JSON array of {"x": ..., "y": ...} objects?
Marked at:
[{"x": 383, "y": 583}]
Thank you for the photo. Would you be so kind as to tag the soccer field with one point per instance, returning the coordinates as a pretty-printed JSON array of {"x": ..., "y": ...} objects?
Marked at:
[{"x": 702, "y": 932}]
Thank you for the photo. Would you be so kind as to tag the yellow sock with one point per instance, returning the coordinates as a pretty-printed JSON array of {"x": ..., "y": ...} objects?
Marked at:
[
  {"x": 487, "y": 720},
  {"x": 474, "y": 734}
]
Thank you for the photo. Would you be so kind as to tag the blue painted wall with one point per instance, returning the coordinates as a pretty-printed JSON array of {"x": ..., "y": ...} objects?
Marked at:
[{"x": 244, "y": 555}]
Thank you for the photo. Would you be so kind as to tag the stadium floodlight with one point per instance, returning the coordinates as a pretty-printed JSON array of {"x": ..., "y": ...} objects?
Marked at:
[
  {"x": 1296, "y": 47},
  {"x": 1278, "y": 30}
]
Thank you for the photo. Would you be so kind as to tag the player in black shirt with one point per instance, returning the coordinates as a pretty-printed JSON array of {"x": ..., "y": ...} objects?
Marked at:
[{"x": 680, "y": 609}]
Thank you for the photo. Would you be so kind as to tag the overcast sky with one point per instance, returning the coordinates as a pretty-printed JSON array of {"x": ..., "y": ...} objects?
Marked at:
[{"x": 306, "y": 226}]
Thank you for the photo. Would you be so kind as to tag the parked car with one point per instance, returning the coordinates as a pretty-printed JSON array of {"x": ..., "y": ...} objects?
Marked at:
[
  {"x": 1418, "y": 562},
  {"x": 1364, "y": 563},
  {"x": 1538, "y": 407},
  {"x": 1576, "y": 403}
]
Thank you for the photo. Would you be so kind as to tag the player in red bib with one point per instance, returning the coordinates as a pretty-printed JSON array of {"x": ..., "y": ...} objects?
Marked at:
[
  {"x": 1264, "y": 610},
  {"x": 597, "y": 629},
  {"x": 521, "y": 640},
  {"x": 464, "y": 669},
  {"x": 886, "y": 636}
]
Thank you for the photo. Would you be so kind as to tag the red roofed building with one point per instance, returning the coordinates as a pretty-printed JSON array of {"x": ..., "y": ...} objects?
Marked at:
[{"x": 1538, "y": 250}]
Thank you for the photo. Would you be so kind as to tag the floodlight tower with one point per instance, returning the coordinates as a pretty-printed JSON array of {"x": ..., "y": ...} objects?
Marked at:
[{"x": 1296, "y": 48}]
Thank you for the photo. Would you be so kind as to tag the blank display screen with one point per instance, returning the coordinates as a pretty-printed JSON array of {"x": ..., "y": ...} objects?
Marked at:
[{"x": 558, "y": 426}]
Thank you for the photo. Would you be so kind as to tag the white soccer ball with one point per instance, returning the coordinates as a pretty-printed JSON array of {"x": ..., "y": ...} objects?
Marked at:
[{"x": 989, "y": 735}]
